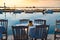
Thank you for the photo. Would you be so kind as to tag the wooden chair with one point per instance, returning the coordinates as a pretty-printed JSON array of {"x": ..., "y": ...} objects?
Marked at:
[
  {"x": 40, "y": 21},
  {"x": 57, "y": 30},
  {"x": 20, "y": 32},
  {"x": 43, "y": 23},
  {"x": 4, "y": 23},
  {"x": 41, "y": 32}
]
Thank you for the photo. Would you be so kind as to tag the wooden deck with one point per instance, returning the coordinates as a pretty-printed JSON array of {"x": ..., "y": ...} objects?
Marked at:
[{"x": 50, "y": 37}]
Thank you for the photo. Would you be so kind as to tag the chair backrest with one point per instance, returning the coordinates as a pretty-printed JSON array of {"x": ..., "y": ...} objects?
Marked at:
[
  {"x": 40, "y": 21},
  {"x": 42, "y": 31},
  {"x": 57, "y": 23},
  {"x": 24, "y": 21},
  {"x": 4, "y": 23},
  {"x": 20, "y": 32}
]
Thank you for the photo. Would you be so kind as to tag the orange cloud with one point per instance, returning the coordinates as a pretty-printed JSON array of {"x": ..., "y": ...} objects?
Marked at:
[{"x": 44, "y": 3}]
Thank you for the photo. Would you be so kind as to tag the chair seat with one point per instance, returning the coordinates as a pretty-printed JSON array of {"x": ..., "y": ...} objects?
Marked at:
[
  {"x": 57, "y": 37},
  {"x": 57, "y": 30},
  {"x": 4, "y": 32}
]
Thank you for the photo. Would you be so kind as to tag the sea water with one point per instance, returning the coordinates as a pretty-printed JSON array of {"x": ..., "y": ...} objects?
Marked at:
[{"x": 13, "y": 19}]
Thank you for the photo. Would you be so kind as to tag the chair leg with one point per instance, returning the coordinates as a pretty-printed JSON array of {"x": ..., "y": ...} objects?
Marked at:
[
  {"x": 42, "y": 39},
  {"x": 54, "y": 36},
  {"x": 35, "y": 39},
  {"x": 6, "y": 36},
  {"x": 31, "y": 38},
  {"x": 0, "y": 39},
  {"x": 45, "y": 38}
]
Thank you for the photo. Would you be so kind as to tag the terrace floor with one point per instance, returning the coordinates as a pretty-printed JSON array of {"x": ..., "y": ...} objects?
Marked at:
[{"x": 50, "y": 37}]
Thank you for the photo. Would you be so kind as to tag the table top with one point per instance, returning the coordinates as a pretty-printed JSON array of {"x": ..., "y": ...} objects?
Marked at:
[
  {"x": 34, "y": 26},
  {"x": 25, "y": 24}
]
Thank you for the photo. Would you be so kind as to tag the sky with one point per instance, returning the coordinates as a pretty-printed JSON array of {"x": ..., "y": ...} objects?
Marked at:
[{"x": 24, "y": 3}]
